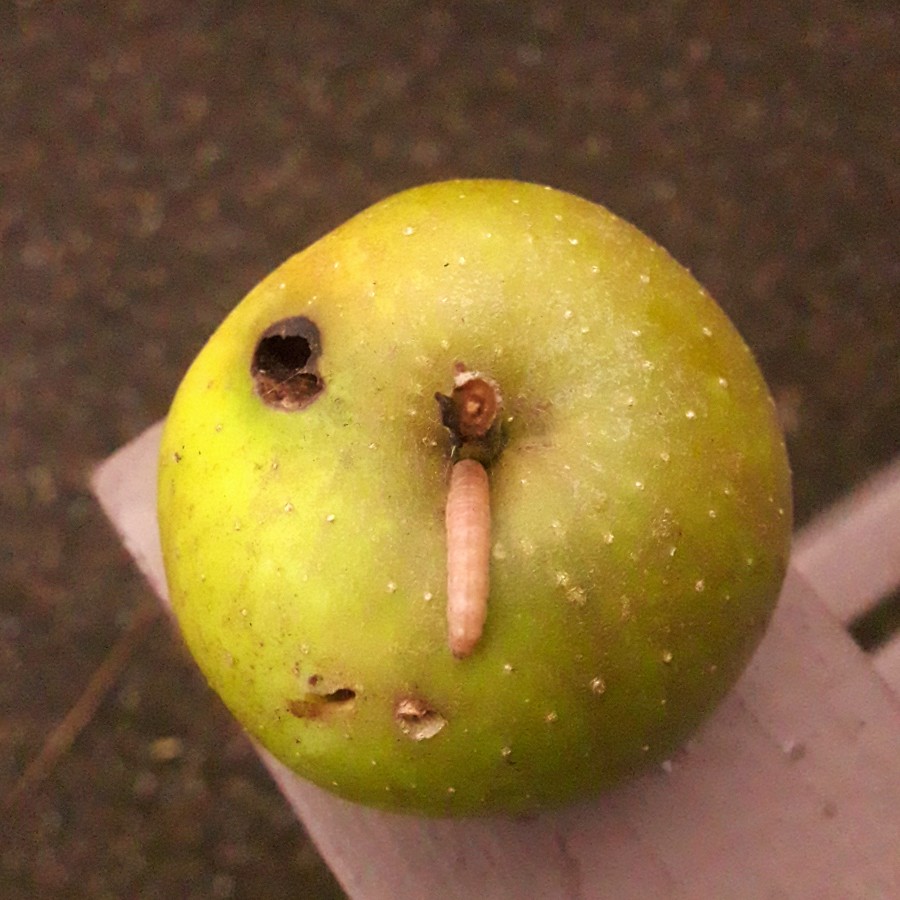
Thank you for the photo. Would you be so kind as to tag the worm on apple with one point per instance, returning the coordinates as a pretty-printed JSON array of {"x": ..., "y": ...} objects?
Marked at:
[{"x": 468, "y": 519}]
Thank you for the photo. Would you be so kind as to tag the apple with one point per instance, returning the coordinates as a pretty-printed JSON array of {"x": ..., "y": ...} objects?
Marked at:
[{"x": 619, "y": 562}]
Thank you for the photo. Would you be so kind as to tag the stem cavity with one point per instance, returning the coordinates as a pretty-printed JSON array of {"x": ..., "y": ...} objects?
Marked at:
[{"x": 470, "y": 414}]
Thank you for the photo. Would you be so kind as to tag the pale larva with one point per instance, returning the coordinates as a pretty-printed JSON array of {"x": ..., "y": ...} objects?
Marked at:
[{"x": 468, "y": 519}]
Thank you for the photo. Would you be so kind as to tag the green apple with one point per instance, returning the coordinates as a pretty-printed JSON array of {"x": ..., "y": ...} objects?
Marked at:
[{"x": 639, "y": 493}]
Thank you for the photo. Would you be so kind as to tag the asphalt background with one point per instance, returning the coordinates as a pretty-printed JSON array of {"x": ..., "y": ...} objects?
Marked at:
[{"x": 158, "y": 158}]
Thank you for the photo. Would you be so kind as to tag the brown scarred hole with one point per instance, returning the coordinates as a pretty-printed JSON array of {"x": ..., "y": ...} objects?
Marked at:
[
  {"x": 284, "y": 364},
  {"x": 417, "y": 720},
  {"x": 312, "y": 705}
]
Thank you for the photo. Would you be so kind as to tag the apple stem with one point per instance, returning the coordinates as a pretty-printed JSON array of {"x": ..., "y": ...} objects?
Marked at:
[
  {"x": 471, "y": 415},
  {"x": 468, "y": 519}
]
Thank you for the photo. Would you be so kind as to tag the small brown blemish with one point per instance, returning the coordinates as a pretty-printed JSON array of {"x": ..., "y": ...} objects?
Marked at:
[
  {"x": 305, "y": 709},
  {"x": 417, "y": 720}
]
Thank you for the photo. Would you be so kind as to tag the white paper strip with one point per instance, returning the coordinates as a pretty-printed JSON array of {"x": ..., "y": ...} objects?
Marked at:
[{"x": 792, "y": 789}]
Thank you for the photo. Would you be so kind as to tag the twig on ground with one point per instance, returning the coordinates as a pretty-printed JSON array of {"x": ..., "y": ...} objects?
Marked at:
[{"x": 65, "y": 733}]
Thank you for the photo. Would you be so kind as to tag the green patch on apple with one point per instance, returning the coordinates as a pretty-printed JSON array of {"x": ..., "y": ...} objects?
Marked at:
[{"x": 639, "y": 503}]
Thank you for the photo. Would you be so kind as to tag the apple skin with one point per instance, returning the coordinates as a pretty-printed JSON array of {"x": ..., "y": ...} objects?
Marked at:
[{"x": 641, "y": 506}]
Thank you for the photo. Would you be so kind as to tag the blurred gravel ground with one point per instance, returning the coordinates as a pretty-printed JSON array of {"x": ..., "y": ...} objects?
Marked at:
[{"x": 157, "y": 158}]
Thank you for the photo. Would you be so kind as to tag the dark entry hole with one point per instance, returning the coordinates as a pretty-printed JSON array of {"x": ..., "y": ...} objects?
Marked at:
[
  {"x": 284, "y": 364},
  {"x": 312, "y": 705},
  {"x": 280, "y": 356},
  {"x": 341, "y": 695}
]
